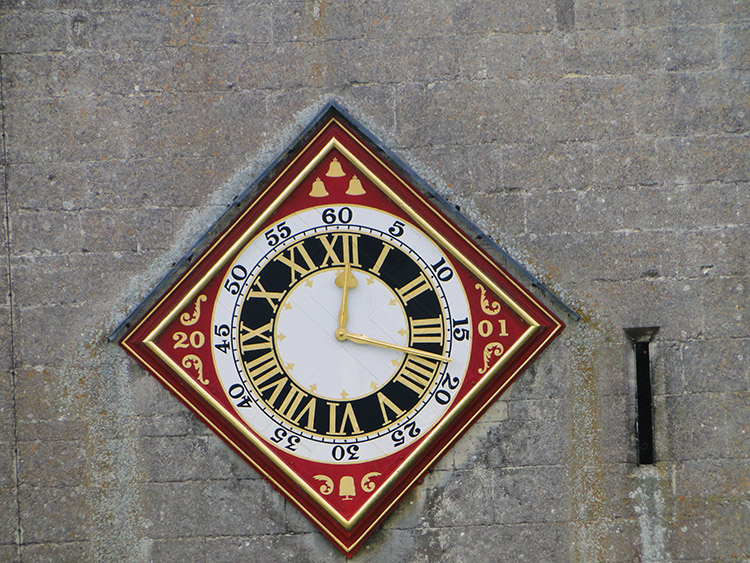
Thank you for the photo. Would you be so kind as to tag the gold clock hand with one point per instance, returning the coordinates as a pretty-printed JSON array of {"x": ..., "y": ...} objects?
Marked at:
[
  {"x": 346, "y": 281},
  {"x": 341, "y": 334}
]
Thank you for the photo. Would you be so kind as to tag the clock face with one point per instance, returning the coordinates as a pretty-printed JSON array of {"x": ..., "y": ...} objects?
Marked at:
[
  {"x": 340, "y": 332},
  {"x": 353, "y": 396}
]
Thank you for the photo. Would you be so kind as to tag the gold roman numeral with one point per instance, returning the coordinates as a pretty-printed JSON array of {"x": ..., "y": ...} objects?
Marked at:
[
  {"x": 309, "y": 410},
  {"x": 414, "y": 288},
  {"x": 296, "y": 269},
  {"x": 247, "y": 334},
  {"x": 427, "y": 331},
  {"x": 385, "y": 402},
  {"x": 417, "y": 373},
  {"x": 263, "y": 368},
  {"x": 348, "y": 417},
  {"x": 349, "y": 249},
  {"x": 272, "y": 297},
  {"x": 381, "y": 258}
]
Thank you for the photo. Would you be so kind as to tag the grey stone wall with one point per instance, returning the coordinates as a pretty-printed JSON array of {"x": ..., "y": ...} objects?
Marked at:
[{"x": 603, "y": 143}]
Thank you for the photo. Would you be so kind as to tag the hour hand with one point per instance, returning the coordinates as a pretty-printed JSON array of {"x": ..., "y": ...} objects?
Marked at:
[
  {"x": 362, "y": 339},
  {"x": 346, "y": 281}
]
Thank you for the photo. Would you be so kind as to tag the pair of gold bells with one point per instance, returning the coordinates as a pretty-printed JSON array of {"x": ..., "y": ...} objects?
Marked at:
[
  {"x": 347, "y": 281},
  {"x": 335, "y": 171}
]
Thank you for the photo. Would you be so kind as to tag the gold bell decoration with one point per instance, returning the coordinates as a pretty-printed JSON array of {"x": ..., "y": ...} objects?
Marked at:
[
  {"x": 346, "y": 488},
  {"x": 334, "y": 170},
  {"x": 318, "y": 189},
  {"x": 355, "y": 186}
]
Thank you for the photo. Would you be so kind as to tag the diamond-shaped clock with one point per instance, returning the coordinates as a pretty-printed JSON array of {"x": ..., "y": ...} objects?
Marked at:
[{"x": 342, "y": 331}]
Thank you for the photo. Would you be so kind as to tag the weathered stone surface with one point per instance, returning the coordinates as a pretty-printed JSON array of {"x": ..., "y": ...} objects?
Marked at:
[
  {"x": 55, "y": 514},
  {"x": 603, "y": 144}
]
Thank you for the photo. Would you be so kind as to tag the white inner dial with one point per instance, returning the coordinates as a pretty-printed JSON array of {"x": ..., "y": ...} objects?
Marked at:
[
  {"x": 305, "y": 328},
  {"x": 299, "y": 381}
]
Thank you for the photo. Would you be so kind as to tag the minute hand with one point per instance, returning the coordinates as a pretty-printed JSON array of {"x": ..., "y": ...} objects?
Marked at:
[{"x": 362, "y": 339}]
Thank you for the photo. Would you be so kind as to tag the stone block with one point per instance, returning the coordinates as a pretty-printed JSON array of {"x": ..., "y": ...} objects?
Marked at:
[
  {"x": 514, "y": 111},
  {"x": 698, "y": 426},
  {"x": 182, "y": 458},
  {"x": 531, "y": 494},
  {"x": 564, "y": 165},
  {"x": 461, "y": 170},
  {"x": 72, "y": 278},
  {"x": 459, "y": 498},
  {"x": 593, "y": 14},
  {"x": 210, "y": 68},
  {"x": 545, "y": 378},
  {"x": 55, "y": 514},
  {"x": 507, "y": 542},
  {"x": 600, "y": 51},
  {"x": 661, "y": 13},
  {"x": 365, "y": 99},
  {"x": 623, "y": 163},
  {"x": 228, "y": 506},
  {"x": 195, "y": 125},
  {"x": 520, "y": 443},
  {"x": 8, "y": 513},
  {"x": 113, "y": 186},
  {"x": 69, "y": 128},
  {"x": 173, "y": 510},
  {"x": 175, "y": 549},
  {"x": 541, "y": 165},
  {"x": 383, "y": 19},
  {"x": 711, "y": 479},
  {"x": 691, "y": 103},
  {"x": 735, "y": 46},
  {"x": 713, "y": 254},
  {"x": 138, "y": 26},
  {"x": 508, "y": 209},
  {"x": 300, "y": 547},
  {"x": 720, "y": 530},
  {"x": 652, "y": 208},
  {"x": 6, "y": 356},
  {"x": 304, "y": 22},
  {"x": 511, "y": 56},
  {"x": 388, "y": 544},
  {"x": 485, "y": 16},
  {"x": 41, "y": 232},
  {"x": 667, "y": 368},
  {"x": 46, "y": 463},
  {"x": 42, "y": 395},
  {"x": 696, "y": 160},
  {"x": 553, "y": 212},
  {"x": 22, "y": 31},
  {"x": 617, "y": 429},
  {"x": 130, "y": 230},
  {"x": 714, "y": 366},
  {"x": 611, "y": 540},
  {"x": 612, "y": 257},
  {"x": 451, "y": 122},
  {"x": 673, "y": 305},
  {"x": 7, "y": 406},
  {"x": 615, "y": 495},
  {"x": 55, "y": 74},
  {"x": 389, "y": 61},
  {"x": 588, "y": 108},
  {"x": 724, "y": 301},
  {"x": 691, "y": 48},
  {"x": 69, "y": 324},
  {"x": 151, "y": 400},
  {"x": 9, "y": 552}
]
